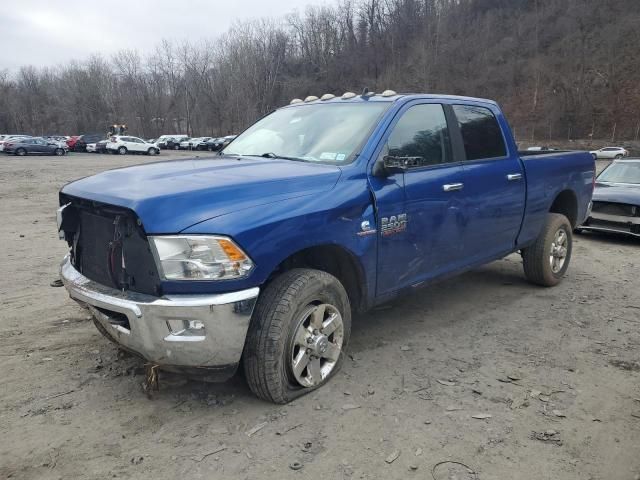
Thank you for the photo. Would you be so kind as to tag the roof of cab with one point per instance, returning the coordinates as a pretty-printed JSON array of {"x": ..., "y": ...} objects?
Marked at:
[{"x": 377, "y": 97}]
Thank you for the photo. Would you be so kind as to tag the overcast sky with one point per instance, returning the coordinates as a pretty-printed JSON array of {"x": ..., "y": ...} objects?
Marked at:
[{"x": 51, "y": 32}]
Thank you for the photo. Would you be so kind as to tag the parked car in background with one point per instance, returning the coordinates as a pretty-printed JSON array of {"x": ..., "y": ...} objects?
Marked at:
[
  {"x": 610, "y": 152},
  {"x": 101, "y": 146},
  {"x": 98, "y": 147},
  {"x": 174, "y": 143},
  {"x": 616, "y": 199},
  {"x": 33, "y": 146},
  {"x": 203, "y": 143},
  {"x": 123, "y": 144},
  {"x": 193, "y": 143},
  {"x": 213, "y": 144},
  {"x": 6, "y": 138},
  {"x": 164, "y": 140},
  {"x": 218, "y": 143},
  {"x": 81, "y": 144},
  {"x": 71, "y": 141},
  {"x": 386, "y": 192},
  {"x": 540, "y": 149}
]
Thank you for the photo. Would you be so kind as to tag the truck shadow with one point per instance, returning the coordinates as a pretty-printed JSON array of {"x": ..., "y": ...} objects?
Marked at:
[{"x": 408, "y": 319}]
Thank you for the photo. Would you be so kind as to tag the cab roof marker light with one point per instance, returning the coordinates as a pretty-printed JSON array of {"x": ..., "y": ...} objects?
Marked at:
[
  {"x": 310, "y": 98},
  {"x": 348, "y": 95},
  {"x": 388, "y": 93},
  {"x": 295, "y": 100},
  {"x": 327, "y": 96}
]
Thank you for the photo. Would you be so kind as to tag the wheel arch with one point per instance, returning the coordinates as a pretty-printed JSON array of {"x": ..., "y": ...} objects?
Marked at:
[
  {"x": 335, "y": 260},
  {"x": 566, "y": 203}
]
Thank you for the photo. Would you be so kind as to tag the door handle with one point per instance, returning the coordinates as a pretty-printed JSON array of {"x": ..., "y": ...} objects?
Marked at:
[
  {"x": 451, "y": 187},
  {"x": 512, "y": 177}
]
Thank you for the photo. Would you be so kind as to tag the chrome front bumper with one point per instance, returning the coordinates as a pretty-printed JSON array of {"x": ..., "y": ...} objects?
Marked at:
[{"x": 173, "y": 331}]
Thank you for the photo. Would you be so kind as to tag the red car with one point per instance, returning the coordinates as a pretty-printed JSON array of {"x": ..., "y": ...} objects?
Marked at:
[{"x": 72, "y": 141}]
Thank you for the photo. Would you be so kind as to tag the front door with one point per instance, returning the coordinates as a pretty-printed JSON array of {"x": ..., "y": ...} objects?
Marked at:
[{"x": 420, "y": 214}]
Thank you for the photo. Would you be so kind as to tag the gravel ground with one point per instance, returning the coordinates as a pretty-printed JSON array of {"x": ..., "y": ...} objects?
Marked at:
[{"x": 552, "y": 374}]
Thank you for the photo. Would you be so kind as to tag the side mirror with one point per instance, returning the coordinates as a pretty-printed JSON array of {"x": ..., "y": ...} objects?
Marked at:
[{"x": 392, "y": 164}]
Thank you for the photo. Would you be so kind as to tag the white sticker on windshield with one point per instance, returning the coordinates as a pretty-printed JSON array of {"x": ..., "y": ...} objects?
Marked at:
[
  {"x": 340, "y": 157},
  {"x": 328, "y": 156}
]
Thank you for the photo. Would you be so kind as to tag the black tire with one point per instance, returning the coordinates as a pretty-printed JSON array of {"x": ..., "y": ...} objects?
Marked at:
[
  {"x": 618, "y": 157},
  {"x": 59, "y": 152},
  {"x": 152, "y": 151},
  {"x": 122, "y": 151},
  {"x": 176, "y": 147},
  {"x": 21, "y": 152},
  {"x": 274, "y": 323},
  {"x": 537, "y": 257}
]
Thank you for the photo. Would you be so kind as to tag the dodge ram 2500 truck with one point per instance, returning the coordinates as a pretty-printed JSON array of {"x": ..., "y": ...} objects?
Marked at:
[{"x": 260, "y": 255}]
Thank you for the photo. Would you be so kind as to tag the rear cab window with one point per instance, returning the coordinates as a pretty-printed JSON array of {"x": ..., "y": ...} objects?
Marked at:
[{"x": 481, "y": 133}]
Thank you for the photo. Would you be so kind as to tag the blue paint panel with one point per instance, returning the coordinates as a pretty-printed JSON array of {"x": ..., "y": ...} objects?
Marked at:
[{"x": 274, "y": 208}]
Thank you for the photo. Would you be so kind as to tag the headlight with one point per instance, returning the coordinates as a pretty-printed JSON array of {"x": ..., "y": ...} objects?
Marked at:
[{"x": 200, "y": 257}]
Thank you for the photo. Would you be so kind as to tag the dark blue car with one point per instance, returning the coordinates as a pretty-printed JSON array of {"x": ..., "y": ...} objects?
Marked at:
[
  {"x": 34, "y": 146},
  {"x": 616, "y": 199}
]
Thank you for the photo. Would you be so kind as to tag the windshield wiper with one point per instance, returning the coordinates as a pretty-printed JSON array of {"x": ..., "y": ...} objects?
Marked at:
[{"x": 275, "y": 155}]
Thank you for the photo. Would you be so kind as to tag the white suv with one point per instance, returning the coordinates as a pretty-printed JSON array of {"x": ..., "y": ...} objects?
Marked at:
[
  {"x": 123, "y": 144},
  {"x": 609, "y": 152}
]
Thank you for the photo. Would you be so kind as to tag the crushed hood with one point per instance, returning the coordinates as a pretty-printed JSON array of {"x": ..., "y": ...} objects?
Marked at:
[
  {"x": 617, "y": 193},
  {"x": 171, "y": 196}
]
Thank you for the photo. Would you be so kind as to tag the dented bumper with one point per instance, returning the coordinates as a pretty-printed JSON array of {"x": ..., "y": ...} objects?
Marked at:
[{"x": 175, "y": 332}]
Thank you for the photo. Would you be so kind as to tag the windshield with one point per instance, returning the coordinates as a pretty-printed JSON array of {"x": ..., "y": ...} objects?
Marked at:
[
  {"x": 621, "y": 172},
  {"x": 325, "y": 133}
]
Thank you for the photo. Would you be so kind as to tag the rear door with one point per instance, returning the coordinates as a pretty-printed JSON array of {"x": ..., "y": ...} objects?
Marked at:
[
  {"x": 419, "y": 211},
  {"x": 494, "y": 183}
]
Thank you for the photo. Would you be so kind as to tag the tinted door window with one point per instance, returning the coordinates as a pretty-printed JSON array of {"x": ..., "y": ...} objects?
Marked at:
[
  {"x": 481, "y": 132},
  {"x": 421, "y": 133}
]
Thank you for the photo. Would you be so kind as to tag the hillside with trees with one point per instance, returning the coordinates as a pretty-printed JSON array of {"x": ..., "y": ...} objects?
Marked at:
[{"x": 561, "y": 69}]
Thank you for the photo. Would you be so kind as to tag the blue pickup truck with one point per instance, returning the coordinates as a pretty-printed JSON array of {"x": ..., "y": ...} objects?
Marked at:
[{"x": 259, "y": 256}]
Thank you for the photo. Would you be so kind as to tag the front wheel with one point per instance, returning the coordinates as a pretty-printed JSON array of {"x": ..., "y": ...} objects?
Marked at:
[
  {"x": 21, "y": 152},
  {"x": 152, "y": 151},
  {"x": 59, "y": 152},
  {"x": 298, "y": 335},
  {"x": 176, "y": 147},
  {"x": 546, "y": 261},
  {"x": 618, "y": 157}
]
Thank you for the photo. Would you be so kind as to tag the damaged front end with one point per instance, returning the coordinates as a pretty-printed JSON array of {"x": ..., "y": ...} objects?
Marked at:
[{"x": 110, "y": 269}]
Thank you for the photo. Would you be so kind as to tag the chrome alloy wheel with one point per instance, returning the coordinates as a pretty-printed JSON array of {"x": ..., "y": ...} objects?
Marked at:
[
  {"x": 559, "y": 248},
  {"x": 317, "y": 344}
]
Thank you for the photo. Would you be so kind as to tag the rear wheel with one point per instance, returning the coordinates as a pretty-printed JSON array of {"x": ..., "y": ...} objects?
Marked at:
[
  {"x": 59, "y": 152},
  {"x": 176, "y": 147},
  {"x": 298, "y": 335},
  {"x": 547, "y": 260},
  {"x": 21, "y": 152},
  {"x": 122, "y": 150}
]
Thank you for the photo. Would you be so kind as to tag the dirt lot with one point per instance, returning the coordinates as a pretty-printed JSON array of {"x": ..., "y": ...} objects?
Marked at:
[{"x": 557, "y": 370}]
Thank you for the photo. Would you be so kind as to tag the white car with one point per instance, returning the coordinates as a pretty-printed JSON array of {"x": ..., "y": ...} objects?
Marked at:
[
  {"x": 192, "y": 143},
  {"x": 610, "y": 152},
  {"x": 123, "y": 144}
]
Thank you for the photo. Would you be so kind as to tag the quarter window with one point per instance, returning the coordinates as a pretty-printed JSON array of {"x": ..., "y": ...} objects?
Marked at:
[
  {"x": 481, "y": 133},
  {"x": 421, "y": 133}
]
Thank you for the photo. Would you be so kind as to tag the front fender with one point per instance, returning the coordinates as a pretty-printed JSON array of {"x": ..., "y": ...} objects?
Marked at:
[{"x": 270, "y": 234}]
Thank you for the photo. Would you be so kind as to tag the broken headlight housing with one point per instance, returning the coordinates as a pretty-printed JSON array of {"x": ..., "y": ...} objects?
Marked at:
[{"x": 199, "y": 257}]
